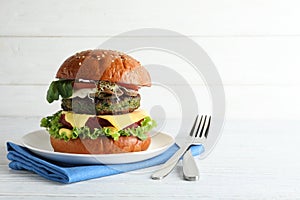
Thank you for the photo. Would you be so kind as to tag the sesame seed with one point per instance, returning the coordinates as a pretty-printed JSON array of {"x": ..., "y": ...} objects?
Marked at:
[
  {"x": 113, "y": 61},
  {"x": 103, "y": 55},
  {"x": 98, "y": 58},
  {"x": 79, "y": 63},
  {"x": 83, "y": 56}
]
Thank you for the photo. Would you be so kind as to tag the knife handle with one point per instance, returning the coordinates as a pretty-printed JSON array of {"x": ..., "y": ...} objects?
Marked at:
[{"x": 190, "y": 169}]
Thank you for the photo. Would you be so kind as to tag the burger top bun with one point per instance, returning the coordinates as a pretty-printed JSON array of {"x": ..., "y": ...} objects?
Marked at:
[{"x": 104, "y": 65}]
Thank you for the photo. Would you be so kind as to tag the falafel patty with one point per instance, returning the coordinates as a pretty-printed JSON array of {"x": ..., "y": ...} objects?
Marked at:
[{"x": 102, "y": 106}]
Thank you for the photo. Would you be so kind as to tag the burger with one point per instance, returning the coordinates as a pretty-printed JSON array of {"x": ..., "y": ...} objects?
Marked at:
[{"x": 100, "y": 100}]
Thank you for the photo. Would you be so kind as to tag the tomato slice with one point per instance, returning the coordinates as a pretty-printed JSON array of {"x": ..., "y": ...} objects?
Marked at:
[
  {"x": 82, "y": 85},
  {"x": 129, "y": 86}
]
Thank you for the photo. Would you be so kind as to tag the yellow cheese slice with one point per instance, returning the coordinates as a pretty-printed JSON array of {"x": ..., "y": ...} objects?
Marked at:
[
  {"x": 122, "y": 121},
  {"x": 118, "y": 121},
  {"x": 76, "y": 120}
]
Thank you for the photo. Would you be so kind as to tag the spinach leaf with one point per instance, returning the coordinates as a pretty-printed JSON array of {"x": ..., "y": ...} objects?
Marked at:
[
  {"x": 63, "y": 88},
  {"x": 52, "y": 93}
]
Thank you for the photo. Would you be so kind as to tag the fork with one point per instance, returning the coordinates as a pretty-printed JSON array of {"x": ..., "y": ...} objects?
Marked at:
[
  {"x": 197, "y": 135},
  {"x": 189, "y": 166}
]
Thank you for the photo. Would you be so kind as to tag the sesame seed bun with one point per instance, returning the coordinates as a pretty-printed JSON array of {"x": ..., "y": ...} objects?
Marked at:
[{"x": 104, "y": 65}]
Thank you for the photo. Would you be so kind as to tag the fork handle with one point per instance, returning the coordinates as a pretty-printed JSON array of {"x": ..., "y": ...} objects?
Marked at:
[
  {"x": 168, "y": 166},
  {"x": 164, "y": 171}
]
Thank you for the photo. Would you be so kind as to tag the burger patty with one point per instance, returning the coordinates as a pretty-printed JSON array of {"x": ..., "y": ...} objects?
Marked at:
[{"x": 104, "y": 106}]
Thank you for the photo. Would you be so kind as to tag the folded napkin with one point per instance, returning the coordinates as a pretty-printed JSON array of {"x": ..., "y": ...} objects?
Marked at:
[{"x": 23, "y": 159}]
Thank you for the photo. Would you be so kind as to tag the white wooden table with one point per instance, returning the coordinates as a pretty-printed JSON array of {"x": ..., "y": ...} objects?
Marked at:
[{"x": 252, "y": 160}]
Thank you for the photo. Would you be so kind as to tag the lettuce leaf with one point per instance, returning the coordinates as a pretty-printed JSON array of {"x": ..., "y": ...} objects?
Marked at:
[{"x": 52, "y": 125}]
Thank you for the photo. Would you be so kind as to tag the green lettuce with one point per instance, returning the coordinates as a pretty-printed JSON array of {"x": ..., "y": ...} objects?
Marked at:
[
  {"x": 53, "y": 126},
  {"x": 51, "y": 123}
]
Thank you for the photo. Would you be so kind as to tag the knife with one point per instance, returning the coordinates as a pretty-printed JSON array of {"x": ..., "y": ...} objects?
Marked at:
[{"x": 190, "y": 169}]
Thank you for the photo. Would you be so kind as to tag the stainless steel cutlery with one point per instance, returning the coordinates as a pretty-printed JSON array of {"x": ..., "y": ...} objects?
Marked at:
[{"x": 197, "y": 136}]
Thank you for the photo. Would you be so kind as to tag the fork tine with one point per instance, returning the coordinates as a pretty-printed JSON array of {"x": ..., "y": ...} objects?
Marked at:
[
  {"x": 207, "y": 129},
  {"x": 198, "y": 127},
  {"x": 193, "y": 128},
  {"x": 200, "y": 134}
]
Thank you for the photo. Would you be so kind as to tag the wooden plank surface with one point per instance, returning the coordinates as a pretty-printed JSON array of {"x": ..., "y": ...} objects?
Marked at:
[
  {"x": 242, "y": 102},
  {"x": 240, "y": 61},
  {"x": 252, "y": 160},
  {"x": 106, "y": 18}
]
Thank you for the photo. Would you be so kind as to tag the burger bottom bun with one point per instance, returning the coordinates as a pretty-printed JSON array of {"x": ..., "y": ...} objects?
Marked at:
[{"x": 101, "y": 145}]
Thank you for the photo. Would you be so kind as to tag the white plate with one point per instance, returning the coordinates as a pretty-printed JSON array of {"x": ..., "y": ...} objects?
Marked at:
[{"x": 39, "y": 143}]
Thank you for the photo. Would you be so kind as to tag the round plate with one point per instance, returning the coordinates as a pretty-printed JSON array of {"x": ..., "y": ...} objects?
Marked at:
[{"x": 39, "y": 143}]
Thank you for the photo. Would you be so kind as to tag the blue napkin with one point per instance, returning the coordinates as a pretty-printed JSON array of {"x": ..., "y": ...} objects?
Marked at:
[{"x": 23, "y": 159}]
